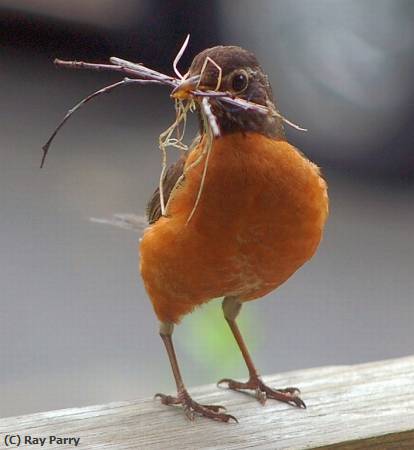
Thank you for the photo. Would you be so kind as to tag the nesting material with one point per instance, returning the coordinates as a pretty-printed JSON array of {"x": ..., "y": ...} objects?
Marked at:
[{"x": 137, "y": 74}]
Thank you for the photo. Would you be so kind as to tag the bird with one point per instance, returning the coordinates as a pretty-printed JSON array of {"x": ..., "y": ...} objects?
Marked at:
[{"x": 260, "y": 216}]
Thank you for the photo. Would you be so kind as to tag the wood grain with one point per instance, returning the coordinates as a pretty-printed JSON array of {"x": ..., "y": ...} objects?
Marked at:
[{"x": 367, "y": 406}]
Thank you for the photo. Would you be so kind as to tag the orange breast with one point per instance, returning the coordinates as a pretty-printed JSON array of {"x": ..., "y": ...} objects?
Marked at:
[{"x": 259, "y": 218}]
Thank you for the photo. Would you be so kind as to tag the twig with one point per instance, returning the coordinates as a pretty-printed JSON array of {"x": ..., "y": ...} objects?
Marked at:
[
  {"x": 81, "y": 65},
  {"x": 104, "y": 90},
  {"x": 141, "y": 71},
  {"x": 143, "y": 75}
]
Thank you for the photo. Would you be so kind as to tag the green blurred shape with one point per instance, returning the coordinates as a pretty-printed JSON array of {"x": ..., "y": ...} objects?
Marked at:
[{"x": 207, "y": 338}]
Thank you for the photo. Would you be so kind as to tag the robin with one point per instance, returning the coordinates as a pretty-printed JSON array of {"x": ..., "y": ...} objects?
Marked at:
[{"x": 259, "y": 217}]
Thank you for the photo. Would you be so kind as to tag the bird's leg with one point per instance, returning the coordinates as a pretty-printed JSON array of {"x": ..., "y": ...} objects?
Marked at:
[
  {"x": 183, "y": 397},
  {"x": 231, "y": 309}
]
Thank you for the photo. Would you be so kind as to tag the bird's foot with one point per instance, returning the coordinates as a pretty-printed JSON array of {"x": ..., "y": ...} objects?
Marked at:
[
  {"x": 191, "y": 407},
  {"x": 262, "y": 392}
]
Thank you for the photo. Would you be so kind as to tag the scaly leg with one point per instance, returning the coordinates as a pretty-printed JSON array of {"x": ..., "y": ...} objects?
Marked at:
[
  {"x": 183, "y": 397},
  {"x": 231, "y": 309}
]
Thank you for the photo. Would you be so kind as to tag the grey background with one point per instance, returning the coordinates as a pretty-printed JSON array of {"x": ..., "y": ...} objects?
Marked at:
[{"x": 76, "y": 325}]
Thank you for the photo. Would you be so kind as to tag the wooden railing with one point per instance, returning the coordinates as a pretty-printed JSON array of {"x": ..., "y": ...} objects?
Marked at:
[{"x": 349, "y": 407}]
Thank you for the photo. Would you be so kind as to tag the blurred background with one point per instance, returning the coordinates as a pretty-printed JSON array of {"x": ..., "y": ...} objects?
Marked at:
[{"x": 76, "y": 325}]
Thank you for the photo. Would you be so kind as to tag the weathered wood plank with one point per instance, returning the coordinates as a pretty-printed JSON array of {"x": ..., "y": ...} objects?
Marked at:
[{"x": 367, "y": 406}]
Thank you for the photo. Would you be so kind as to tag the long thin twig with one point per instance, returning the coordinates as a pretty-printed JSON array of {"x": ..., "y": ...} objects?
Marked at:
[
  {"x": 135, "y": 70},
  {"x": 139, "y": 74},
  {"x": 80, "y": 65},
  {"x": 105, "y": 90}
]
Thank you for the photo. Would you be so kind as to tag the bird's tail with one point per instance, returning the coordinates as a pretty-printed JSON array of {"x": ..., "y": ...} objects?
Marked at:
[{"x": 131, "y": 222}]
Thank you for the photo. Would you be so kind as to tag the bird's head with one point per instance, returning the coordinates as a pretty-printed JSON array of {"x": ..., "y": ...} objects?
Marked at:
[{"x": 236, "y": 71}]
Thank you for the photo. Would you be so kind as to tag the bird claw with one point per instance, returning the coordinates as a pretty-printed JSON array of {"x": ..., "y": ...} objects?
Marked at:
[
  {"x": 288, "y": 395},
  {"x": 191, "y": 407}
]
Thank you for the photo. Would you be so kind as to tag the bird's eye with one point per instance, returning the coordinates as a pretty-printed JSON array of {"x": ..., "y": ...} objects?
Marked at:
[{"x": 239, "y": 82}]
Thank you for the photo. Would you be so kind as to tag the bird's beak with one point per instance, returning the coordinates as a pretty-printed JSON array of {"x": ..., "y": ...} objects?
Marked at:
[{"x": 183, "y": 90}]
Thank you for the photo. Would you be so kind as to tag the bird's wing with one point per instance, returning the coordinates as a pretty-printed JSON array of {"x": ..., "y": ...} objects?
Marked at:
[{"x": 171, "y": 179}]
